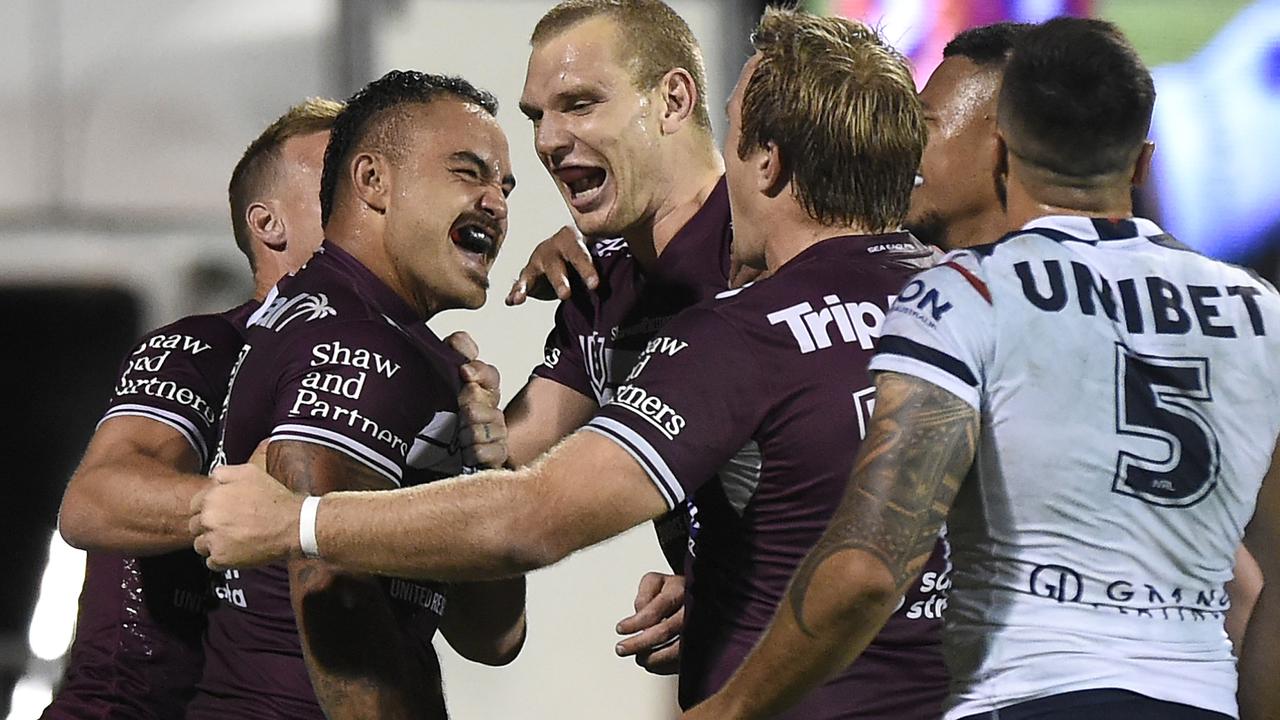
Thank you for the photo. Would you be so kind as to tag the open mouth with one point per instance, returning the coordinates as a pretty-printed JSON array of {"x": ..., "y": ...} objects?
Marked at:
[
  {"x": 475, "y": 237},
  {"x": 584, "y": 183}
]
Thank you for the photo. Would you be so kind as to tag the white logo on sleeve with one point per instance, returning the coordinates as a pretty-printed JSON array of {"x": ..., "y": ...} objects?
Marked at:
[{"x": 652, "y": 408}]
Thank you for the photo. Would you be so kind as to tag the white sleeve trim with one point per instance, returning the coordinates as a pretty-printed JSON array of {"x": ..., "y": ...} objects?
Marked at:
[
  {"x": 910, "y": 366},
  {"x": 185, "y": 427},
  {"x": 373, "y": 459},
  {"x": 645, "y": 454}
]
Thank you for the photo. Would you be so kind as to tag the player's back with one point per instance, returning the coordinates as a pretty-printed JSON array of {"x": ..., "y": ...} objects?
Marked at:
[
  {"x": 1130, "y": 405},
  {"x": 752, "y": 405}
]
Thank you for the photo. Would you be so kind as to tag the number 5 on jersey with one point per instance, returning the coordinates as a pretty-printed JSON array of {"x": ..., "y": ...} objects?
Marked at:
[{"x": 1160, "y": 400}]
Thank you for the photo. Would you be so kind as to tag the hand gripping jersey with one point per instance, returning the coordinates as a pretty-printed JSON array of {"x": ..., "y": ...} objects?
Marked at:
[
  {"x": 136, "y": 654},
  {"x": 336, "y": 359},
  {"x": 779, "y": 369},
  {"x": 1130, "y": 401}
]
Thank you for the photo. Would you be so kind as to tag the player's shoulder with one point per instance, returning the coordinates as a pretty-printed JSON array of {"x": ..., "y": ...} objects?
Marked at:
[{"x": 194, "y": 335}]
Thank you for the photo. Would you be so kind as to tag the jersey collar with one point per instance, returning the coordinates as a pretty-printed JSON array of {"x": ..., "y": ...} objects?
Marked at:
[{"x": 1080, "y": 227}]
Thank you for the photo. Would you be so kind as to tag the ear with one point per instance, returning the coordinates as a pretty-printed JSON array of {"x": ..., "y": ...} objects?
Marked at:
[
  {"x": 1000, "y": 169},
  {"x": 679, "y": 96},
  {"x": 1142, "y": 167},
  {"x": 1000, "y": 151},
  {"x": 266, "y": 225},
  {"x": 771, "y": 173},
  {"x": 371, "y": 179}
]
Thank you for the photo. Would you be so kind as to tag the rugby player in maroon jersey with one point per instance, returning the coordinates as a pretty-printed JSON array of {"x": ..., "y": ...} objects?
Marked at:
[
  {"x": 342, "y": 377},
  {"x": 779, "y": 365},
  {"x": 137, "y": 651}
]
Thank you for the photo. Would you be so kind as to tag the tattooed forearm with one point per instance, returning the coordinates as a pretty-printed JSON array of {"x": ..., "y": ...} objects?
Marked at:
[
  {"x": 360, "y": 661},
  {"x": 920, "y": 446}
]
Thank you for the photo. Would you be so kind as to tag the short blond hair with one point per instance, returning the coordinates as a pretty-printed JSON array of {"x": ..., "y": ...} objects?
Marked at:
[
  {"x": 652, "y": 36},
  {"x": 840, "y": 105},
  {"x": 255, "y": 174}
]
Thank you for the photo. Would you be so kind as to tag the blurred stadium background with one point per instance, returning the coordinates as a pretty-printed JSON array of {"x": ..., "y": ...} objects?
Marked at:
[{"x": 120, "y": 123}]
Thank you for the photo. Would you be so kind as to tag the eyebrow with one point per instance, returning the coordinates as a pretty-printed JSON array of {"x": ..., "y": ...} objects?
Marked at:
[
  {"x": 486, "y": 172},
  {"x": 530, "y": 111}
]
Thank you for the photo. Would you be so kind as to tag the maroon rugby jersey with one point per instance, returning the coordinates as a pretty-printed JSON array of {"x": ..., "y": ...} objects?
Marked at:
[
  {"x": 137, "y": 649},
  {"x": 333, "y": 357},
  {"x": 598, "y": 335},
  {"x": 753, "y": 405}
]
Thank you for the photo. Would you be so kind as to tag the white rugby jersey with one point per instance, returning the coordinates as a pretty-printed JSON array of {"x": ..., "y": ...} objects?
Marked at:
[{"x": 1130, "y": 402}]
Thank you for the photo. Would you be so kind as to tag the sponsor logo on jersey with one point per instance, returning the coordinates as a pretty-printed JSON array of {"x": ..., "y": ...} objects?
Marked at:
[
  {"x": 1146, "y": 305},
  {"x": 176, "y": 341},
  {"x": 1127, "y": 596},
  {"x": 278, "y": 312},
  {"x": 551, "y": 356},
  {"x": 657, "y": 346},
  {"x": 415, "y": 594},
  {"x": 335, "y": 353},
  {"x": 855, "y": 322},
  {"x": 652, "y": 408},
  {"x": 887, "y": 247},
  {"x": 228, "y": 592},
  {"x": 934, "y": 586}
]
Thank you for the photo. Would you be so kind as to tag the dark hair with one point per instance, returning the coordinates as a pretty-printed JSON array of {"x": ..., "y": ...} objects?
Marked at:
[
  {"x": 987, "y": 44},
  {"x": 255, "y": 174},
  {"x": 368, "y": 117},
  {"x": 840, "y": 104},
  {"x": 1076, "y": 99},
  {"x": 650, "y": 34}
]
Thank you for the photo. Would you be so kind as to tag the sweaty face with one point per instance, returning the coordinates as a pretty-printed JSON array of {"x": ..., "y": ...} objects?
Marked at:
[
  {"x": 747, "y": 247},
  {"x": 595, "y": 133},
  {"x": 447, "y": 214},
  {"x": 300, "y": 165},
  {"x": 955, "y": 180}
]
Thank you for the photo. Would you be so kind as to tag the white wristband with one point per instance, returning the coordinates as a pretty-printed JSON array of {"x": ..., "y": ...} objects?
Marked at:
[{"x": 307, "y": 527}]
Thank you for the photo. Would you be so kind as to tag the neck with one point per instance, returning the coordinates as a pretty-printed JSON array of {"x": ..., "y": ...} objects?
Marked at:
[
  {"x": 979, "y": 229},
  {"x": 366, "y": 242},
  {"x": 794, "y": 235},
  {"x": 687, "y": 190},
  {"x": 267, "y": 271},
  {"x": 1029, "y": 198}
]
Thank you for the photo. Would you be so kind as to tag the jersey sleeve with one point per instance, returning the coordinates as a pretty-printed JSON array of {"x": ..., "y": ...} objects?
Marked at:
[
  {"x": 562, "y": 360},
  {"x": 359, "y": 388},
  {"x": 941, "y": 328},
  {"x": 690, "y": 404},
  {"x": 178, "y": 376}
]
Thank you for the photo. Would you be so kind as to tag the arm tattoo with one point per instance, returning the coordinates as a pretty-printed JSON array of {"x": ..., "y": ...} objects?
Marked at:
[
  {"x": 360, "y": 662},
  {"x": 920, "y": 446}
]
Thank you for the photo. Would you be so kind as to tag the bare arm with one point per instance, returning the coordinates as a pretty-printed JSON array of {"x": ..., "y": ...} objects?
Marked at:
[
  {"x": 485, "y": 526},
  {"x": 1243, "y": 589},
  {"x": 920, "y": 446},
  {"x": 1259, "y": 691},
  {"x": 132, "y": 490},
  {"x": 359, "y": 660},
  {"x": 542, "y": 414}
]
